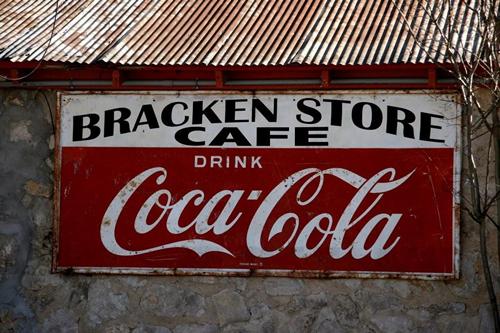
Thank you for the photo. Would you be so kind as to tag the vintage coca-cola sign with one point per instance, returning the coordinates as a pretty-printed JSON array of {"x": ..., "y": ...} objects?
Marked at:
[{"x": 268, "y": 183}]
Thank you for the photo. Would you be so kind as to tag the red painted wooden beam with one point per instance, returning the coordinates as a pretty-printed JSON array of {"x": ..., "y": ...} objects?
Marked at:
[{"x": 111, "y": 77}]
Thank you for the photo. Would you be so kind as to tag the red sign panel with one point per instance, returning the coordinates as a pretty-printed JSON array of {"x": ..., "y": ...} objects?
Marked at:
[{"x": 298, "y": 210}]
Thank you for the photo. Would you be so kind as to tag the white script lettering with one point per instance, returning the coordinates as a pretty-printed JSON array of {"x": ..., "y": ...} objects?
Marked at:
[{"x": 227, "y": 200}]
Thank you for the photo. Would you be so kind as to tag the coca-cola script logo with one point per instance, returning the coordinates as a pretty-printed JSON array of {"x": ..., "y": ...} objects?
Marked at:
[{"x": 308, "y": 183}]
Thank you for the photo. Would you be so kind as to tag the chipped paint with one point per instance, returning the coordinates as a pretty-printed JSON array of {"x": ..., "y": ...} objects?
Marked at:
[{"x": 453, "y": 217}]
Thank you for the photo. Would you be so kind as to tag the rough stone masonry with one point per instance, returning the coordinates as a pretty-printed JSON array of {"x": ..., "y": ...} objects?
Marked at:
[{"x": 34, "y": 300}]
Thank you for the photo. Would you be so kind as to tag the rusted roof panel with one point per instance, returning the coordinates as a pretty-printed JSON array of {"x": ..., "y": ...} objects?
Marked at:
[{"x": 237, "y": 32}]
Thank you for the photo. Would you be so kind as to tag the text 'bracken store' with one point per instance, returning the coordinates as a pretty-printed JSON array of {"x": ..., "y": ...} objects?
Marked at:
[{"x": 234, "y": 142}]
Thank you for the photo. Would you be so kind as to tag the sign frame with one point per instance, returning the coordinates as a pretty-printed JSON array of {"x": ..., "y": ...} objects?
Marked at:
[{"x": 457, "y": 158}]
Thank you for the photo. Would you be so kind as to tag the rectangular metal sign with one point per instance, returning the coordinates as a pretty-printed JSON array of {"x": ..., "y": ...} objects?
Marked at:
[{"x": 267, "y": 183}]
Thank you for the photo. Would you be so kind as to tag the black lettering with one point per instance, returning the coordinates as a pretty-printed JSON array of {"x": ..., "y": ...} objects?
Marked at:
[
  {"x": 336, "y": 106},
  {"x": 199, "y": 112},
  {"x": 167, "y": 114},
  {"x": 303, "y": 136},
  {"x": 310, "y": 111},
  {"x": 426, "y": 126},
  {"x": 78, "y": 127},
  {"x": 393, "y": 120},
  {"x": 149, "y": 113},
  {"x": 357, "y": 116},
  {"x": 265, "y": 134},
  {"x": 230, "y": 134},
  {"x": 271, "y": 116},
  {"x": 231, "y": 110},
  {"x": 182, "y": 136},
  {"x": 110, "y": 121}
]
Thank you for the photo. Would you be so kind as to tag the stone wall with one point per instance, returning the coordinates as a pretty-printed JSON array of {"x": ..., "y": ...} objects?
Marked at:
[{"x": 34, "y": 300}]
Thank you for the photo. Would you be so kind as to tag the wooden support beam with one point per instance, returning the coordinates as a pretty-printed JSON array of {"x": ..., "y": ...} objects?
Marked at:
[
  {"x": 14, "y": 74},
  {"x": 116, "y": 79},
  {"x": 325, "y": 78},
  {"x": 432, "y": 78},
  {"x": 219, "y": 79}
]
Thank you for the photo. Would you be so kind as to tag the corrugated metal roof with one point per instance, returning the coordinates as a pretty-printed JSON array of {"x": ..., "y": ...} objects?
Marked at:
[{"x": 237, "y": 32}]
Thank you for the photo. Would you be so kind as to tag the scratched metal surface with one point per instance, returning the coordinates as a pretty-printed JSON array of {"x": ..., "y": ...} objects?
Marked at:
[
  {"x": 239, "y": 32},
  {"x": 57, "y": 267}
]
